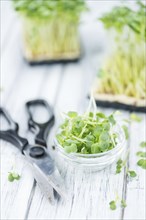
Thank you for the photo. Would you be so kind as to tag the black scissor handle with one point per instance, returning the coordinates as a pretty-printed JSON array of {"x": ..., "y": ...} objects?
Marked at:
[
  {"x": 11, "y": 134},
  {"x": 40, "y": 129},
  {"x": 12, "y": 125}
]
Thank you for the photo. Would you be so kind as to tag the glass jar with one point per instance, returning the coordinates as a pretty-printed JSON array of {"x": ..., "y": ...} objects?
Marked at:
[{"x": 93, "y": 162}]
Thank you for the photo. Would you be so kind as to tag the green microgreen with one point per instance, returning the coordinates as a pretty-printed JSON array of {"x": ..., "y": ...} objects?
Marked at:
[
  {"x": 90, "y": 133},
  {"x": 135, "y": 117},
  {"x": 142, "y": 163},
  {"x": 49, "y": 9},
  {"x": 122, "y": 164},
  {"x": 141, "y": 154},
  {"x": 113, "y": 205},
  {"x": 13, "y": 176},
  {"x": 125, "y": 129},
  {"x": 123, "y": 203},
  {"x": 122, "y": 16},
  {"x": 127, "y": 29},
  {"x": 143, "y": 144},
  {"x": 119, "y": 166},
  {"x": 131, "y": 173}
]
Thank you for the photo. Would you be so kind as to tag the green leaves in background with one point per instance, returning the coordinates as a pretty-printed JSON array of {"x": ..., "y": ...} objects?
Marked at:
[
  {"x": 48, "y": 9},
  {"x": 122, "y": 16},
  {"x": 142, "y": 163},
  {"x": 135, "y": 117},
  {"x": 143, "y": 144},
  {"x": 141, "y": 154},
  {"x": 125, "y": 129},
  {"x": 128, "y": 31},
  {"x": 123, "y": 203}
]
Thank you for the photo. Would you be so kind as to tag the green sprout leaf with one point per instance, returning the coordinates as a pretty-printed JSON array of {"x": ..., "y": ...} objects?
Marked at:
[
  {"x": 101, "y": 115},
  {"x": 132, "y": 173},
  {"x": 143, "y": 144},
  {"x": 123, "y": 203},
  {"x": 116, "y": 78},
  {"x": 49, "y": 9},
  {"x": 112, "y": 205},
  {"x": 13, "y": 176},
  {"x": 119, "y": 166},
  {"x": 141, "y": 154},
  {"x": 72, "y": 114},
  {"x": 10, "y": 177},
  {"x": 89, "y": 133},
  {"x": 135, "y": 117},
  {"x": 142, "y": 163},
  {"x": 125, "y": 129},
  {"x": 71, "y": 149}
]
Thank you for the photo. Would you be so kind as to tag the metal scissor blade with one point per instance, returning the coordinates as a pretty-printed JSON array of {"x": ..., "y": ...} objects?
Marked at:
[
  {"x": 53, "y": 179},
  {"x": 46, "y": 189},
  {"x": 47, "y": 174}
]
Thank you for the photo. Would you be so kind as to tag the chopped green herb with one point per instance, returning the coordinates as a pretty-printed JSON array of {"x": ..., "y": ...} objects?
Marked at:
[
  {"x": 125, "y": 129},
  {"x": 112, "y": 205},
  {"x": 142, "y": 163},
  {"x": 89, "y": 133},
  {"x": 13, "y": 176},
  {"x": 141, "y": 154},
  {"x": 132, "y": 173},
  {"x": 143, "y": 144},
  {"x": 135, "y": 117},
  {"x": 123, "y": 203}
]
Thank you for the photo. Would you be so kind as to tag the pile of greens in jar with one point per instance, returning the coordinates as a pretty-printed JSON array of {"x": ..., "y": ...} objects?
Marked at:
[
  {"x": 124, "y": 70},
  {"x": 89, "y": 133}
]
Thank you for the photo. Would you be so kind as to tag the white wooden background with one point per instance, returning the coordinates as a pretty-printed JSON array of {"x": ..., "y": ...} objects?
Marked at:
[{"x": 66, "y": 88}]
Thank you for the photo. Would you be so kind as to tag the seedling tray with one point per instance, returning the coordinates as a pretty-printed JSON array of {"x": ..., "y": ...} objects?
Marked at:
[
  {"x": 42, "y": 62},
  {"x": 63, "y": 60},
  {"x": 106, "y": 103}
]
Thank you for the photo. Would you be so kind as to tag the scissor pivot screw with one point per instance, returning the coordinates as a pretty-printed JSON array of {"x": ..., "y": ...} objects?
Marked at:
[{"x": 36, "y": 152}]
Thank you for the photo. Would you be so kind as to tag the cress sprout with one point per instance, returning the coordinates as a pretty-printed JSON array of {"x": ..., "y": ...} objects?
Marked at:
[
  {"x": 50, "y": 28},
  {"x": 90, "y": 133},
  {"x": 124, "y": 71}
]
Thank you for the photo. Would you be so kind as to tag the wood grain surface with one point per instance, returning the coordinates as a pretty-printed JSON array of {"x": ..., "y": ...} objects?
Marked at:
[{"x": 65, "y": 87}]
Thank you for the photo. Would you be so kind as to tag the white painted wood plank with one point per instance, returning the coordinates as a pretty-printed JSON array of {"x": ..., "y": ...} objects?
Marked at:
[
  {"x": 8, "y": 17},
  {"x": 136, "y": 189},
  {"x": 90, "y": 193},
  {"x": 26, "y": 88},
  {"x": 35, "y": 78},
  {"x": 12, "y": 63},
  {"x": 15, "y": 195}
]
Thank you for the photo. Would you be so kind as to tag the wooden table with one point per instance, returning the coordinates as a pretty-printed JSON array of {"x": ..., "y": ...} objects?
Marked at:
[{"x": 65, "y": 87}]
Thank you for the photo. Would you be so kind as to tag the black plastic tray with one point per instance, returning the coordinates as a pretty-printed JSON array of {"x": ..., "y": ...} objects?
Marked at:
[
  {"x": 119, "y": 105},
  {"x": 63, "y": 61}
]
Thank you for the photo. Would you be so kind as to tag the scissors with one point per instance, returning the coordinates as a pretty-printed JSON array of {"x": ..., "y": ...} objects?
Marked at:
[{"x": 44, "y": 169}]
